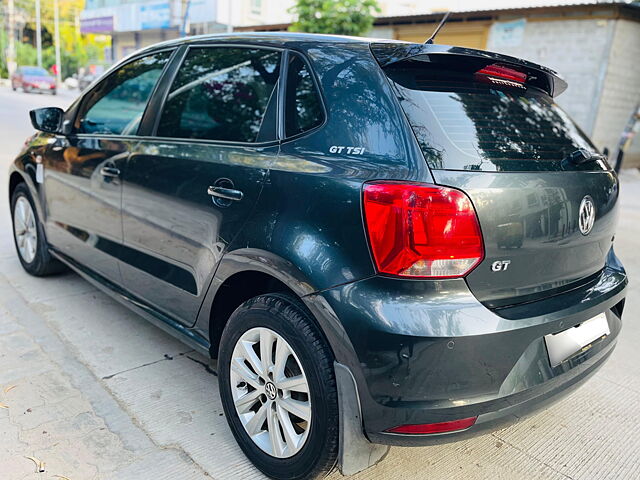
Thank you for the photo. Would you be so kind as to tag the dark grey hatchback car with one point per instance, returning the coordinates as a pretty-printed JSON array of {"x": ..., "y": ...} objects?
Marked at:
[{"x": 381, "y": 243}]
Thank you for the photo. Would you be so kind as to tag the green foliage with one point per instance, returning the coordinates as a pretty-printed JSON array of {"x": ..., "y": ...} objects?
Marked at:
[
  {"x": 26, "y": 54},
  {"x": 77, "y": 56},
  {"x": 340, "y": 17},
  {"x": 3, "y": 48}
]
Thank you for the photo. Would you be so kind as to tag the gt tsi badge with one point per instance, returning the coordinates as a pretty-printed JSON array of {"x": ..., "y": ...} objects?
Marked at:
[
  {"x": 347, "y": 150},
  {"x": 586, "y": 215}
]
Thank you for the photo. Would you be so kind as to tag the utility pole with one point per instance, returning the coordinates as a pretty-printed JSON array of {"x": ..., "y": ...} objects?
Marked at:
[
  {"x": 11, "y": 52},
  {"x": 38, "y": 34},
  {"x": 230, "y": 22},
  {"x": 184, "y": 29},
  {"x": 56, "y": 27}
]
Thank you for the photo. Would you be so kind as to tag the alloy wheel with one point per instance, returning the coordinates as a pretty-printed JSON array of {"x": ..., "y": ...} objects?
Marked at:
[
  {"x": 270, "y": 392},
  {"x": 24, "y": 227}
]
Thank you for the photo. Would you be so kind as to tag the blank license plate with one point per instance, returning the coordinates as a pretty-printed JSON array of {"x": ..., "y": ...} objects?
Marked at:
[{"x": 564, "y": 344}]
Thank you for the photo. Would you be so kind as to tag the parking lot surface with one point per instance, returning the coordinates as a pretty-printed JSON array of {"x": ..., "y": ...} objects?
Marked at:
[{"x": 95, "y": 392}]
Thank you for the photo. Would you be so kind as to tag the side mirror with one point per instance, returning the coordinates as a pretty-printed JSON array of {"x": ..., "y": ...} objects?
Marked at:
[
  {"x": 605, "y": 152},
  {"x": 48, "y": 120}
]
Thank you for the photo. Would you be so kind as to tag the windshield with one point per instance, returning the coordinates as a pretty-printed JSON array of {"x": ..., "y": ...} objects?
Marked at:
[
  {"x": 35, "y": 71},
  {"x": 463, "y": 124}
]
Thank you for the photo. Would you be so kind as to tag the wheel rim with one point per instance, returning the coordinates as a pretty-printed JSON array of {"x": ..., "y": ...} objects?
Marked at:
[
  {"x": 24, "y": 227},
  {"x": 270, "y": 392}
]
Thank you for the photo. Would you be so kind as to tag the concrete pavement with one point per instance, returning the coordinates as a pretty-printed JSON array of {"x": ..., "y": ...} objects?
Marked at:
[{"x": 100, "y": 394}]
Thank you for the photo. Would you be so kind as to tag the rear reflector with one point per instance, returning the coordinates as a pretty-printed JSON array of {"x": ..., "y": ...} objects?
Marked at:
[
  {"x": 428, "y": 428},
  {"x": 420, "y": 230},
  {"x": 506, "y": 73}
]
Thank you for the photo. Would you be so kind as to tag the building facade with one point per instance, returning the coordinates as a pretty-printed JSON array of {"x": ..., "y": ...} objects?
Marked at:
[{"x": 133, "y": 24}]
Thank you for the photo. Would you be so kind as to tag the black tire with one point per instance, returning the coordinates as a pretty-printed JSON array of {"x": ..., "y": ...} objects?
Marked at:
[
  {"x": 43, "y": 263},
  {"x": 54, "y": 92},
  {"x": 288, "y": 317}
]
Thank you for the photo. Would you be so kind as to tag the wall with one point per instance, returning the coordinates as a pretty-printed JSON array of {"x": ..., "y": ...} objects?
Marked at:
[
  {"x": 126, "y": 43},
  {"x": 471, "y": 34},
  {"x": 381, "y": 32},
  {"x": 123, "y": 43},
  {"x": 621, "y": 90},
  {"x": 577, "y": 49},
  {"x": 248, "y": 12}
]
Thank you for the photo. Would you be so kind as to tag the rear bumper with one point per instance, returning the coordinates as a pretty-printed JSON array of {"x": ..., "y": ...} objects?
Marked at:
[
  {"x": 502, "y": 411},
  {"x": 429, "y": 352},
  {"x": 37, "y": 88}
]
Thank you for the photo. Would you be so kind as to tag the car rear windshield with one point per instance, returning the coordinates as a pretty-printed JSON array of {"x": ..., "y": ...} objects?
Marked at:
[{"x": 462, "y": 123}]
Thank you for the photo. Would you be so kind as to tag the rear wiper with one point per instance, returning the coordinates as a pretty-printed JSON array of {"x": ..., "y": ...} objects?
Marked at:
[{"x": 581, "y": 156}]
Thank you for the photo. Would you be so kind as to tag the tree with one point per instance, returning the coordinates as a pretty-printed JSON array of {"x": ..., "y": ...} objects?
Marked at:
[{"x": 340, "y": 17}]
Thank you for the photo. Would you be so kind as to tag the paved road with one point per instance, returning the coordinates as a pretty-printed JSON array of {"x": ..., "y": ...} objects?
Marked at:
[{"x": 100, "y": 394}]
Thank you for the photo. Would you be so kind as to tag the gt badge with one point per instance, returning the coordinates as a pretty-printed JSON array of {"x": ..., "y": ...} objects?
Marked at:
[{"x": 500, "y": 265}]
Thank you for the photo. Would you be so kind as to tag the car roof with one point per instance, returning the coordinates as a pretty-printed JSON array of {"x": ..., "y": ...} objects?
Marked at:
[
  {"x": 386, "y": 51},
  {"x": 282, "y": 39},
  {"x": 27, "y": 67}
]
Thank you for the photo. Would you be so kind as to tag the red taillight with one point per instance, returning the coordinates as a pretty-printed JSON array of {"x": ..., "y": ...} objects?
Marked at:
[
  {"x": 419, "y": 230},
  {"x": 503, "y": 72},
  {"x": 442, "y": 427}
]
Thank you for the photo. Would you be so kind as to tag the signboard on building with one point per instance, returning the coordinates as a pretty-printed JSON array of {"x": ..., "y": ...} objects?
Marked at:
[
  {"x": 96, "y": 25},
  {"x": 202, "y": 11},
  {"x": 507, "y": 34},
  {"x": 155, "y": 15}
]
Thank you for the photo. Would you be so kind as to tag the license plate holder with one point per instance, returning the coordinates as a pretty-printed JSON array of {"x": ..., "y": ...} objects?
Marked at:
[{"x": 565, "y": 344}]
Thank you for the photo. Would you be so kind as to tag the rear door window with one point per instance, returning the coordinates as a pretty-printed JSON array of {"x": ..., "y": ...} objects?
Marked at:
[
  {"x": 222, "y": 93},
  {"x": 303, "y": 105},
  {"x": 464, "y": 124}
]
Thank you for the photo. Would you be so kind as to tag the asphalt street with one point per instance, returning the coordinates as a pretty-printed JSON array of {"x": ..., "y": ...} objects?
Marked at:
[{"x": 95, "y": 392}]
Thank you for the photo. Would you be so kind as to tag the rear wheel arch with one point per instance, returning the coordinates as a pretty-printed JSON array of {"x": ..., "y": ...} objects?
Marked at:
[
  {"x": 253, "y": 272},
  {"x": 233, "y": 292},
  {"x": 242, "y": 286}
]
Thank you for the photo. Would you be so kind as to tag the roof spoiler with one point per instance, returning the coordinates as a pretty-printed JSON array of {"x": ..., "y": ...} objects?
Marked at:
[{"x": 389, "y": 53}]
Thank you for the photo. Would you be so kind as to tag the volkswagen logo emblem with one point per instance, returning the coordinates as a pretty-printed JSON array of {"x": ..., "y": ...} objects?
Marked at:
[
  {"x": 270, "y": 390},
  {"x": 586, "y": 215}
]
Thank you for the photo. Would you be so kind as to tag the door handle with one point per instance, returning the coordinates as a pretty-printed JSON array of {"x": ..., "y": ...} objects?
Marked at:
[
  {"x": 109, "y": 172},
  {"x": 226, "y": 193}
]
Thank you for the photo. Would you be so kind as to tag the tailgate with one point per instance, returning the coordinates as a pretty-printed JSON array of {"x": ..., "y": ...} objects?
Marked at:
[{"x": 488, "y": 125}]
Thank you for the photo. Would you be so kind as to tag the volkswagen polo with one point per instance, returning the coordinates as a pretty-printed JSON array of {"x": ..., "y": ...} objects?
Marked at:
[{"x": 379, "y": 243}]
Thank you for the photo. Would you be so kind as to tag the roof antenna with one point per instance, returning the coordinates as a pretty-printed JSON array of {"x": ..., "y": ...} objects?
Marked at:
[{"x": 433, "y": 35}]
